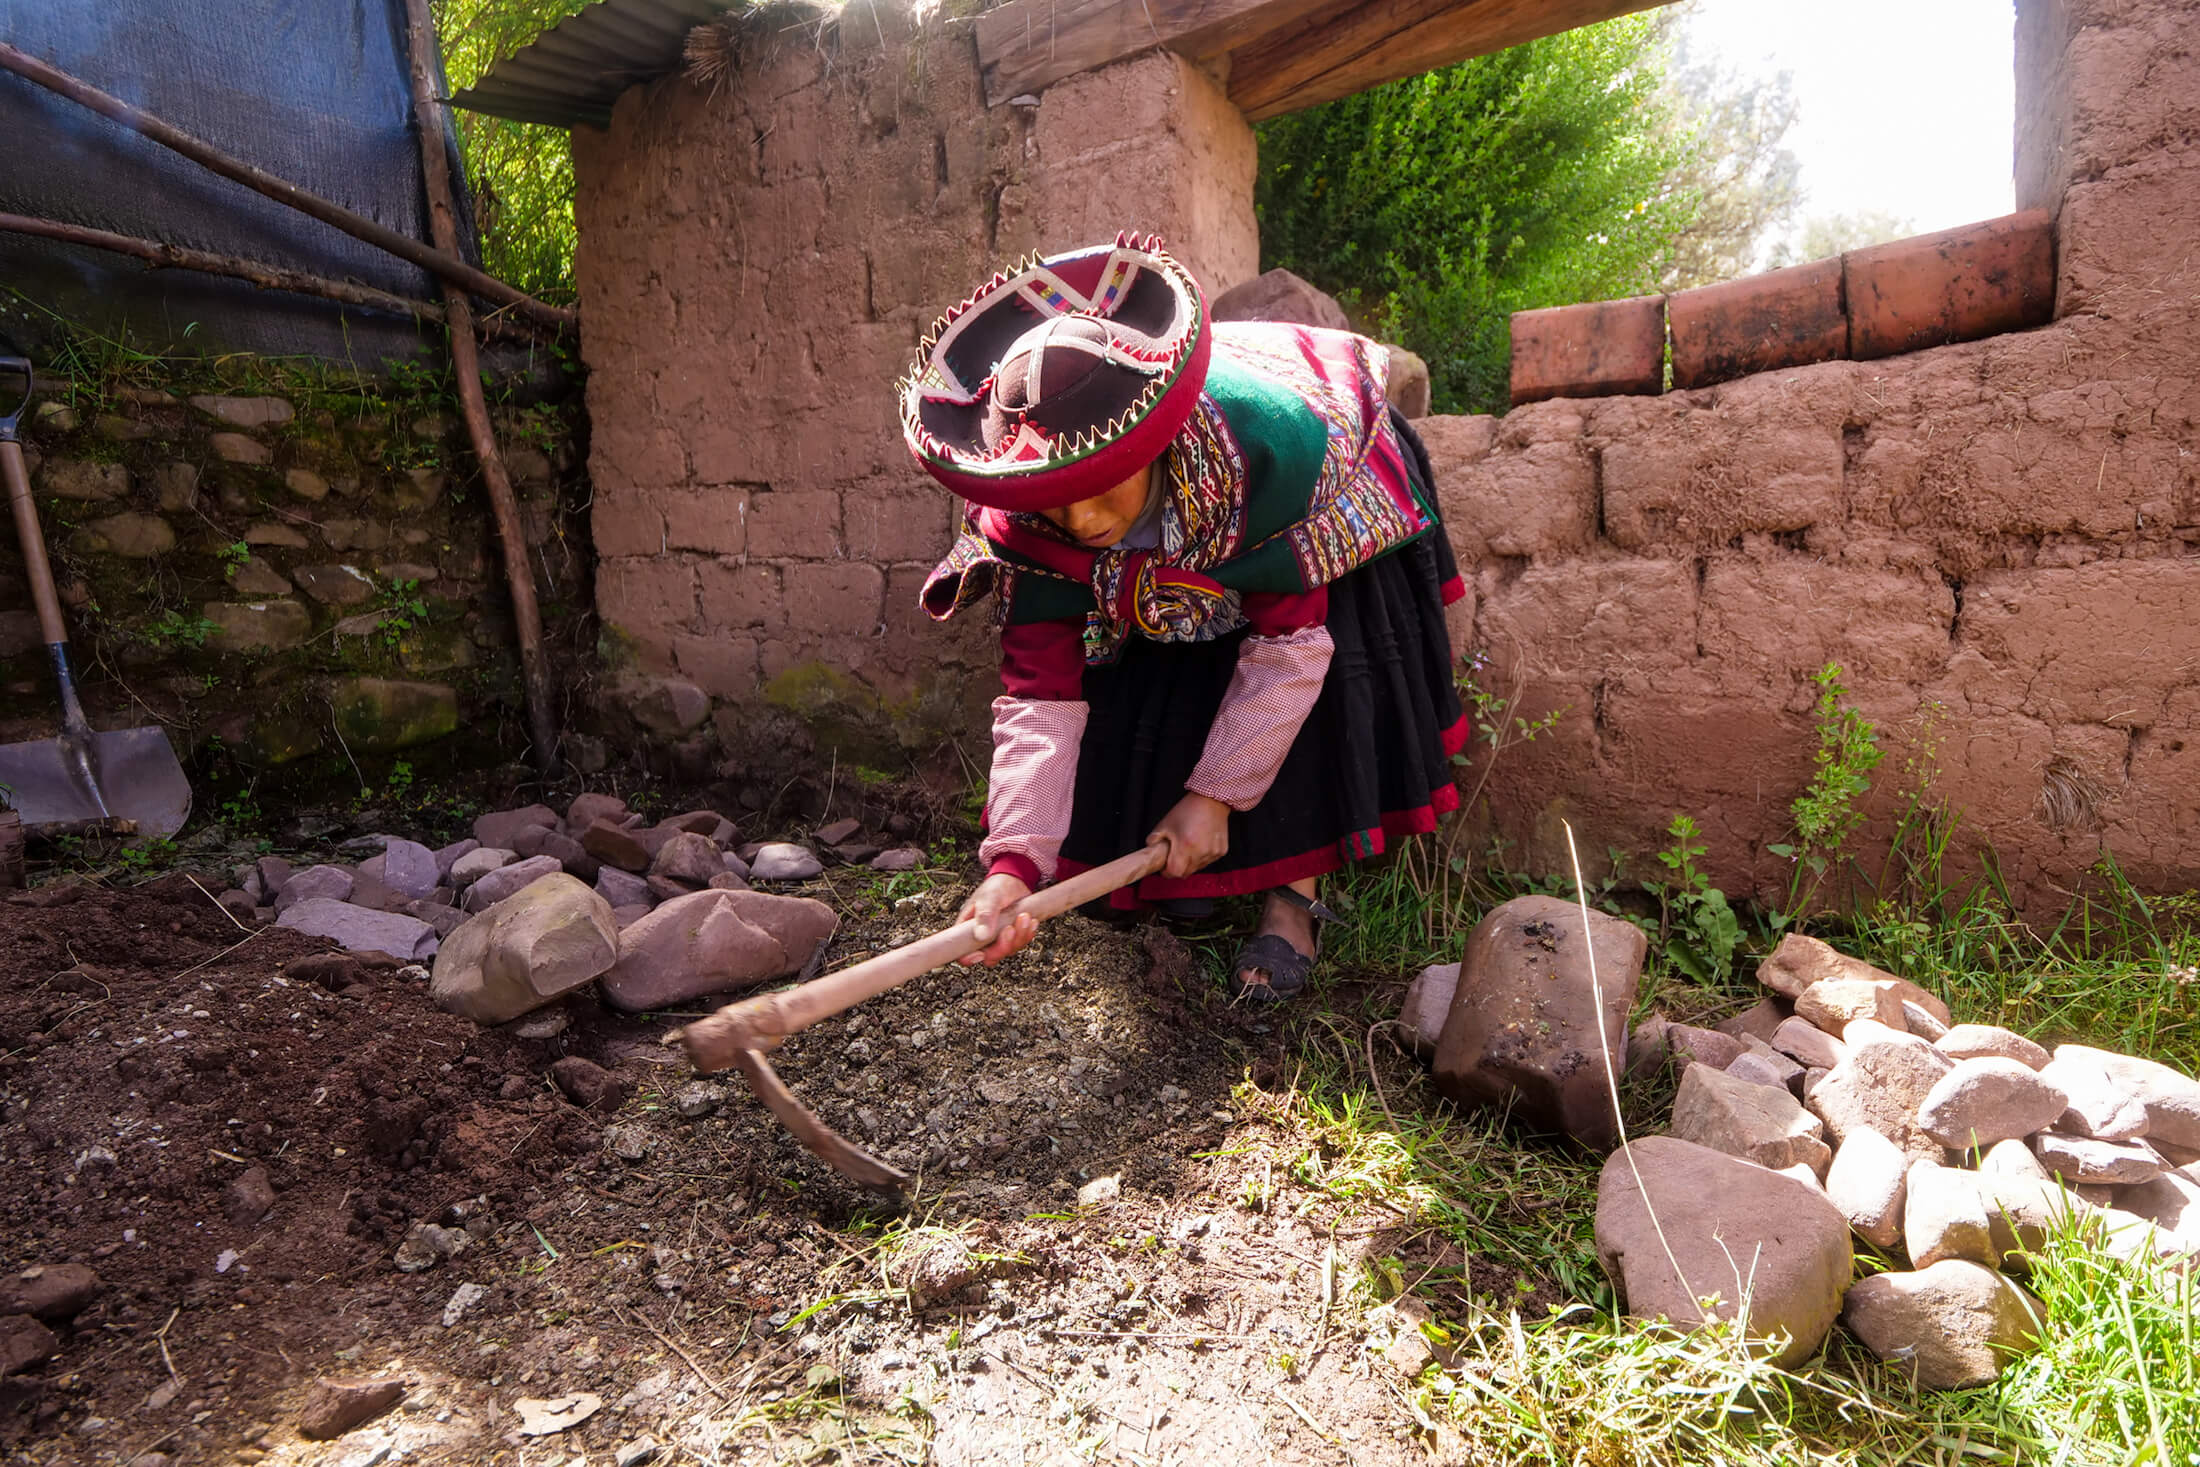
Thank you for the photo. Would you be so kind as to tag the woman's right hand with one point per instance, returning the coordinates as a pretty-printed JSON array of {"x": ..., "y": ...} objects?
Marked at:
[{"x": 995, "y": 895}]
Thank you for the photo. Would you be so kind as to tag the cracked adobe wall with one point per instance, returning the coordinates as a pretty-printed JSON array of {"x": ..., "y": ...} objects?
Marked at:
[{"x": 1999, "y": 540}]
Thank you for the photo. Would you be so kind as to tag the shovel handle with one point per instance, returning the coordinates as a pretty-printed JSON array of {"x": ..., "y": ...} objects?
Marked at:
[
  {"x": 760, "y": 1023},
  {"x": 33, "y": 540}
]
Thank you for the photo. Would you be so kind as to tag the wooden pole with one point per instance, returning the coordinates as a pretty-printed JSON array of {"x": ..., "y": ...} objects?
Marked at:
[
  {"x": 443, "y": 262},
  {"x": 466, "y": 366},
  {"x": 164, "y": 256}
]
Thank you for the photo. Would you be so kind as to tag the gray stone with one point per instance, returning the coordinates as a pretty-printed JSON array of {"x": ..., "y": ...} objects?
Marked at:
[
  {"x": 132, "y": 535},
  {"x": 1878, "y": 1086},
  {"x": 1758, "y": 1121},
  {"x": 494, "y": 886},
  {"x": 335, "y": 585},
  {"x": 1944, "y": 1217},
  {"x": 409, "y": 869},
  {"x": 444, "y": 919},
  {"x": 1784, "y": 1071},
  {"x": 2171, "y": 1202},
  {"x": 1755, "y": 1069},
  {"x": 1983, "y": 1101},
  {"x": 1832, "y": 1004},
  {"x": 1691, "y": 1045},
  {"x": 256, "y": 626},
  {"x": 622, "y": 888},
  {"x": 255, "y": 577},
  {"x": 626, "y": 916},
  {"x": 1529, "y": 1030},
  {"x": 2171, "y": 1098},
  {"x": 1406, "y": 383},
  {"x": 477, "y": 863},
  {"x": 1921, "y": 1023},
  {"x": 688, "y": 947},
  {"x": 1807, "y": 1044},
  {"x": 501, "y": 828},
  {"x": 548, "y": 937},
  {"x": 1950, "y": 1326},
  {"x": 1279, "y": 295},
  {"x": 240, "y": 448},
  {"x": 248, "y": 1198},
  {"x": 1426, "y": 1004},
  {"x": 689, "y": 859},
  {"x": 901, "y": 858},
  {"x": 273, "y": 532},
  {"x": 1761, "y": 1021},
  {"x": 1800, "y": 961},
  {"x": 2099, "y": 1107},
  {"x": 628, "y": 1143},
  {"x": 1649, "y": 1044},
  {"x": 306, "y": 484},
  {"x": 331, "y": 882},
  {"x": 2091, "y": 1160},
  {"x": 1982, "y": 1041},
  {"x": 447, "y": 856},
  {"x": 67, "y": 478},
  {"x": 2011, "y": 1159},
  {"x": 698, "y": 1098},
  {"x": 361, "y": 929},
  {"x": 177, "y": 486},
  {"x": 781, "y": 861},
  {"x": 1746, "y": 1228},
  {"x": 244, "y": 412},
  {"x": 1869, "y": 1182},
  {"x": 52, "y": 1292},
  {"x": 669, "y": 706}
]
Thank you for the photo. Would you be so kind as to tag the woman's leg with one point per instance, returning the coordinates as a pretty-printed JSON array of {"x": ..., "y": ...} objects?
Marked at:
[{"x": 1289, "y": 921}]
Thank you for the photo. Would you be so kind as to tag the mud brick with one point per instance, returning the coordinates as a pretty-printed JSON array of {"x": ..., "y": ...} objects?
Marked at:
[
  {"x": 714, "y": 520},
  {"x": 1957, "y": 285},
  {"x": 1599, "y": 349},
  {"x": 794, "y": 522},
  {"x": 1786, "y": 318},
  {"x": 649, "y": 593},
  {"x": 836, "y": 598}
]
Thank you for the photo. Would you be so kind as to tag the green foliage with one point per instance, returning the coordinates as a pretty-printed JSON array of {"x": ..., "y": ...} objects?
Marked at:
[
  {"x": 403, "y": 608},
  {"x": 233, "y": 556},
  {"x": 1697, "y": 930},
  {"x": 1827, "y": 814},
  {"x": 173, "y": 629},
  {"x": 1436, "y": 206},
  {"x": 521, "y": 174}
]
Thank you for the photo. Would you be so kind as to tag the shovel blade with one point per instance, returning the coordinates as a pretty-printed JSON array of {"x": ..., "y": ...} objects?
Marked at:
[{"x": 137, "y": 772}]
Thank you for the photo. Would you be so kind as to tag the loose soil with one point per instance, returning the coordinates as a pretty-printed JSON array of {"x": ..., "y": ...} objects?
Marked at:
[{"x": 722, "y": 1292}]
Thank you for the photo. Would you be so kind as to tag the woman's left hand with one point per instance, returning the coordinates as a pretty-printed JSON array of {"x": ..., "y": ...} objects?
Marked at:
[{"x": 1198, "y": 832}]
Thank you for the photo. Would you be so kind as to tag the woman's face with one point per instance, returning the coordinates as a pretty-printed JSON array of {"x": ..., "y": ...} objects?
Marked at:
[{"x": 1100, "y": 521}]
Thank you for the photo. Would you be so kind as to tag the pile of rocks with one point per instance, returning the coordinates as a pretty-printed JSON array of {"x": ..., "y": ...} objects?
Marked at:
[
  {"x": 1847, "y": 1104},
  {"x": 535, "y": 905}
]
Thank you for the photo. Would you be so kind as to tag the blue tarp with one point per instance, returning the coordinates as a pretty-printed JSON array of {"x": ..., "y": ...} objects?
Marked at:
[{"x": 316, "y": 92}]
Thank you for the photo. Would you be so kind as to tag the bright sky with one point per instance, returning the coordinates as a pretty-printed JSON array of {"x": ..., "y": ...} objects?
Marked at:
[{"x": 1906, "y": 105}]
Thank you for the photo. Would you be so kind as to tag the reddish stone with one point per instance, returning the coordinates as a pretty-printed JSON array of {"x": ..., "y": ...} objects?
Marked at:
[
  {"x": 333, "y": 1407},
  {"x": 614, "y": 846},
  {"x": 1957, "y": 285},
  {"x": 1599, "y": 349},
  {"x": 1786, "y": 318}
]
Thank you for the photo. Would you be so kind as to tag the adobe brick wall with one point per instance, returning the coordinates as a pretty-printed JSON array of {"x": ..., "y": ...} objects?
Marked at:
[
  {"x": 756, "y": 265},
  {"x": 2004, "y": 532}
]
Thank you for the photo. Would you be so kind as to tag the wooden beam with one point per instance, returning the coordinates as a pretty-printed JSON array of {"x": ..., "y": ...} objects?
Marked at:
[
  {"x": 1348, "y": 46},
  {"x": 1026, "y": 45}
]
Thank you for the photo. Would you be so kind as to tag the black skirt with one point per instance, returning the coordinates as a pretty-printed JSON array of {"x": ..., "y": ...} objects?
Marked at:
[{"x": 1371, "y": 765}]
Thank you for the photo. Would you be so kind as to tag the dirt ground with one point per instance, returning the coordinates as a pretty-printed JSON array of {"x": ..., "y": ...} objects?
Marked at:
[{"x": 724, "y": 1296}]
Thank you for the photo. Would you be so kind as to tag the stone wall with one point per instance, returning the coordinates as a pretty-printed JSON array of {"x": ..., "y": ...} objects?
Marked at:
[
  {"x": 758, "y": 259},
  {"x": 289, "y": 571},
  {"x": 1999, "y": 541}
]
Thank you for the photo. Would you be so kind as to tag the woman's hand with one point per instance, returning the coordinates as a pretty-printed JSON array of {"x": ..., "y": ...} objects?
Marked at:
[
  {"x": 995, "y": 895},
  {"x": 1198, "y": 832}
]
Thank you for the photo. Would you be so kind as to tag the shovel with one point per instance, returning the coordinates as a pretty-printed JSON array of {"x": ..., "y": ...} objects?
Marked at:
[
  {"x": 127, "y": 780},
  {"x": 739, "y": 1035}
]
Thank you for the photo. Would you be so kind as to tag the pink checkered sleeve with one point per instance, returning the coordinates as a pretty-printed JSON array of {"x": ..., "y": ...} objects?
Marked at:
[
  {"x": 1034, "y": 775},
  {"x": 1271, "y": 692}
]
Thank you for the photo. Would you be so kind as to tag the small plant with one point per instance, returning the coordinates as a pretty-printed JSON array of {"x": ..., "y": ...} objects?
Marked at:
[
  {"x": 399, "y": 782},
  {"x": 1697, "y": 929},
  {"x": 233, "y": 556},
  {"x": 403, "y": 608},
  {"x": 1827, "y": 814},
  {"x": 173, "y": 629}
]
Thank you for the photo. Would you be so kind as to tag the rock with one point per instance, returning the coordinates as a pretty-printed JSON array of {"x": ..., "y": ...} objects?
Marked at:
[
  {"x": 2087, "y": 1159},
  {"x": 689, "y": 859},
  {"x": 545, "y": 1418},
  {"x": 1807, "y": 1044},
  {"x": 1755, "y": 1069},
  {"x": 501, "y": 828},
  {"x": 335, "y": 585},
  {"x": 587, "y": 809},
  {"x": 669, "y": 706},
  {"x": 1690, "y": 1044},
  {"x": 1759, "y": 1121},
  {"x": 1922, "y": 1024},
  {"x": 1427, "y": 1002},
  {"x": 244, "y": 412},
  {"x": 1878, "y": 1086},
  {"x": 1944, "y": 1217},
  {"x": 1952, "y": 1325},
  {"x": 477, "y": 863},
  {"x": 588, "y": 1084},
  {"x": 1833, "y": 1004},
  {"x": 239, "y": 448},
  {"x": 547, "y": 938},
  {"x": 249, "y": 1198},
  {"x": 1982, "y": 1101},
  {"x": 383, "y": 715},
  {"x": 255, "y": 577},
  {"x": 306, "y": 484},
  {"x": 1783, "y": 1071},
  {"x": 901, "y": 858},
  {"x": 492, "y": 887},
  {"x": 332, "y": 971},
  {"x": 361, "y": 929},
  {"x": 447, "y": 856},
  {"x": 542, "y": 1024},
  {"x": 1984, "y": 1041},
  {"x": 628, "y": 1143},
  {"x": 1524, "y": 1029},
  {"x": 839, "y": 833},
  {"x": 463, "y": 1298},
  {"x": 727, "y": 881},
  {"x": 691, "y": 946},
  {"x": 615, "y": 846},
  {"x": 627, "y": 916},
  {"x": 567, "y": 852},
  {"x": 133, "y": 534},
  {"x": 273, "y": 532},
  {"x": 1761, "y": 1021},
  {"x": 1800, "y": 961},
  {"x": 1869, "y": 1182},
  {"x": 1406, "y": 383},
  {"x": 1795, "y": 1241},
  {"x": 409, "y": 869},
  {"x": 89, "y": 483},
  {"x": 853, "y": 854},
  {"x": 698, "y": 1098},
  {"x": 636, "y": 1453},
  {"x": 2170, "y": 1201},
  {"x": 1649, "y": 1043},
  {"x": 2021, "y": 1211},
  {"x": 2098, "y": 1106},
  {"x": 1101, "y": 1190},
  {"x": 444, "y": 919},
  {"x": 621, "y": 888},
  {"x": 24, "y": 1342},
  {"x": 1279, "y": 295},
  {"x": 256, "y": 626},
  {"x": 780, "y": 861},
  {"x": 2172, "y": 1099},
  {"x": 333, "y": 1407},
  {"x": 49, "y": 1291},
  {"x": 665, "y": 889},
  {"x": 2011, "y": 1159},
  {"x": 735, "y": 866},
  {"x": 238, "y": 904}
]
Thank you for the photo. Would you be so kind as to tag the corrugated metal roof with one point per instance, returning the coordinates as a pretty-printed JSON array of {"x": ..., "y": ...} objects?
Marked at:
[{"x": 574, "y": 71}]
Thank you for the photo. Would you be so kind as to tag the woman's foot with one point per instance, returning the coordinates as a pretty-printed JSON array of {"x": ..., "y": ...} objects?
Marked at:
[{"x": 1276, "y": 961}]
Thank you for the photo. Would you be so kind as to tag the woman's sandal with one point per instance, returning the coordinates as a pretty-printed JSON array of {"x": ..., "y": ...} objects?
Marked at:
[{"x": 1268, "y": 952}]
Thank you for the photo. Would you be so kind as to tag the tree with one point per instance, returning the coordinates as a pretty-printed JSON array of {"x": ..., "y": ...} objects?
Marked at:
[
  {"x": 1825, "y": 235},
  {"x": 1745, "y": 183}
]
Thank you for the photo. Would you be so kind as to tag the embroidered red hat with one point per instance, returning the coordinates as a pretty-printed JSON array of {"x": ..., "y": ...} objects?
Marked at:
[{"x": 1059, "y": 379}]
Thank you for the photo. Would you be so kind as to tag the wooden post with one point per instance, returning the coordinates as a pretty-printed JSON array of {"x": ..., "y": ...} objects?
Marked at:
[{"x": 466, "y": 366}]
